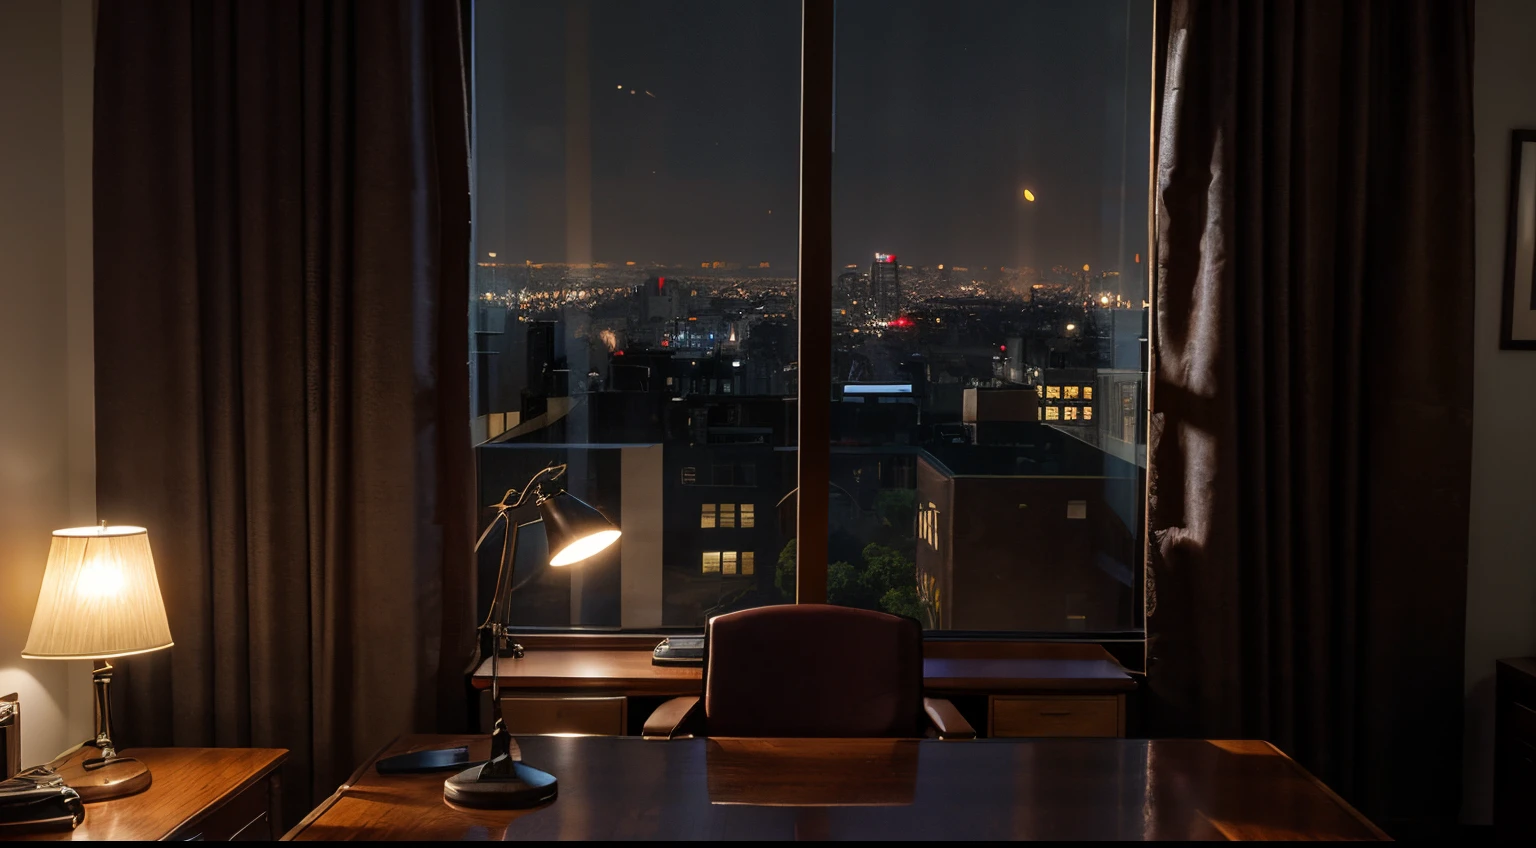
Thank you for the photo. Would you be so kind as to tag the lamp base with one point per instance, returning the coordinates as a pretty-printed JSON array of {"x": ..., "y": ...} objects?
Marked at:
[
  {"x": 98, "y": 778},
  {"x": 518, "y": 787}
]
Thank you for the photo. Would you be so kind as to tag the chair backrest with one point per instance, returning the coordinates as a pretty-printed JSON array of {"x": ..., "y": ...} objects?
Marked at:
[{"x": 813, "y": 670}]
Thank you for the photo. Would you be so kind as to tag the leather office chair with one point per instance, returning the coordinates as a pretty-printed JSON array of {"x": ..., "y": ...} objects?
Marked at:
[{"x": 810, "y": 670}]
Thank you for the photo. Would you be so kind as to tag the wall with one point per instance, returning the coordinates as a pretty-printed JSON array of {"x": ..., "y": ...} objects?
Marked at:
[
  {"x": 47, "y": 457},
  {"x": 1501, "y": 568}
]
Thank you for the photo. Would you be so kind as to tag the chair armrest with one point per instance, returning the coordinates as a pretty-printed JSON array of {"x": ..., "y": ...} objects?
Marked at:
[
  {"x": 671, "y": 719},
  {"x": 947, "y": 720}
]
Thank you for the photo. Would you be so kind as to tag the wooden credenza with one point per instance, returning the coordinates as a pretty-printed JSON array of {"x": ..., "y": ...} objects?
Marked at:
[
  {"x": 197, "y": 794},
  {"x": 1006, "y": 690},
  {"x": 1514, "y": 800}
]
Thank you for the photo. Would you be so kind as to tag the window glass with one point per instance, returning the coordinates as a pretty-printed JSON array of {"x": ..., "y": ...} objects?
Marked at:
[
  {"x": 636, "y": 193},
  {"x": 989, "y": 224}
]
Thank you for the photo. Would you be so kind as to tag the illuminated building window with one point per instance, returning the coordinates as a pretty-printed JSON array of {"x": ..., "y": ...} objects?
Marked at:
[
  {"x": 728, "y": 562},
  {"x": 1052, "y": 413},
  {"x": 746, "y": 562},
  {"x": 1053, "y": 392},
  {"x": 727, "y": 515},
  {"x": 1040, "y": 391},
  {"x": 1069, "y": 392},
  {"x": 711, "y": 562},
  {"x": 928, "y": 524},
  {"x": 1069, "y": 413},
  {"x": 747, "y": 516},
  {"x": 1087, "y": 413},
  {"x": 1087, "y": 392},
  {"x": 707, "y": 517}
]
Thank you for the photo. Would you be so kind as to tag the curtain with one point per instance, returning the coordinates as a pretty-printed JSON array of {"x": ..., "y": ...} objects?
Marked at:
[
  {"x": 281, "y": 246},
  {"x": 1311, "y": 429}
]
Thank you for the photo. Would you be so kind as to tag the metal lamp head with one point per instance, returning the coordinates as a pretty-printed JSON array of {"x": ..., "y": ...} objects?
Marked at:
[{"x": 574, "y": 528}]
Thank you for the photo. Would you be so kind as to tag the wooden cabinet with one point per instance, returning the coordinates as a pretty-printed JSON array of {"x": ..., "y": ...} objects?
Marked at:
[
  {"x": 1056, "y": 715},
  {"x": 197, "y": 794},
  {"x": 1514, "y": 801},
  {"x": 535, "y": 715}
]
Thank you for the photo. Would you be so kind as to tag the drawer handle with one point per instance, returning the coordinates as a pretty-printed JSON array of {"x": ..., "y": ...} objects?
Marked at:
[{"x": 1055, "y": 712}]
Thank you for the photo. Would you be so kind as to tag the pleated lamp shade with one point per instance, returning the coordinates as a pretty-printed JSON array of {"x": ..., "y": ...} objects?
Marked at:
[{"x": 100, "y": 597}]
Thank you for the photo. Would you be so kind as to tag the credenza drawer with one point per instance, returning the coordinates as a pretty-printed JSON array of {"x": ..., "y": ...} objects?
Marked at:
[
  {"x": 1054, "y": 715},
  {"x": 535, "y": 715}
]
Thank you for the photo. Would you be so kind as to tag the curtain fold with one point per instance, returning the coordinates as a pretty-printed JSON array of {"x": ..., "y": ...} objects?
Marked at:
[
  {"x": 1311, "y": 428},
  {"x": 281, "y": 239}
]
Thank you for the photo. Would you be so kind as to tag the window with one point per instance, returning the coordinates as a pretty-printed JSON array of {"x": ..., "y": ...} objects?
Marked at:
[
  {"x": 637, "y": 189},
  {"x": 928, "y": 524}
]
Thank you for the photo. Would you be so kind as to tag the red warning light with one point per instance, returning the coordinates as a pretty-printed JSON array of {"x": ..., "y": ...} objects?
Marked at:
[
  {"x": 661, "y": 283},
  {"x": 901, "y": 321},
  {"x": 665, "y": 343},
  {"x": 618, "y": 353},
  {"x": 1003, "y": 348}
]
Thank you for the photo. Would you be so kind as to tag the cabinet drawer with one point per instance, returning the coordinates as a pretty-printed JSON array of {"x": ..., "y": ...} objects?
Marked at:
[
  {"x": 1054, "y": 715},
  {"x": 532, "y": 716},
  {"x": 242, "y": 818}
]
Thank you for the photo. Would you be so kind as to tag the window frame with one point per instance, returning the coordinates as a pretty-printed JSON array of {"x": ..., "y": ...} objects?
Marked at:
[{"x": 814, "y": 340}]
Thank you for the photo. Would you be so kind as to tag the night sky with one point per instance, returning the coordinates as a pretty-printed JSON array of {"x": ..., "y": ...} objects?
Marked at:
[{"x": 946, "y": 111}]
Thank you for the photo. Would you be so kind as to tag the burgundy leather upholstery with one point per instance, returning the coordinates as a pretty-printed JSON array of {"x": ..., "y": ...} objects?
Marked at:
[{"x": 813, "y": 670}]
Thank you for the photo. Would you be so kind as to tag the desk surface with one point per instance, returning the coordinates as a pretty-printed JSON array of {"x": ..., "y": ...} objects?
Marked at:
[
  {"x": 627, "y": 788},
  {"x": 630, "y": 672},
  {"x": 187, "y": 782}
]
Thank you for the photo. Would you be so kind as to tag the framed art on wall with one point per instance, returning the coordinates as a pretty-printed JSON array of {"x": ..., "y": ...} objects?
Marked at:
[{"x": 1517, "y": 328}]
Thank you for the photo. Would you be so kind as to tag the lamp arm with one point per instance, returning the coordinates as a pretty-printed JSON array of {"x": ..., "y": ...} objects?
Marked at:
[{"x": 550, "y": 473}]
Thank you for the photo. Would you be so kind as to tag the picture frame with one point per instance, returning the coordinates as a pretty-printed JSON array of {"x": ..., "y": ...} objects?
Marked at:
[{"x": 1517, "y": 324}]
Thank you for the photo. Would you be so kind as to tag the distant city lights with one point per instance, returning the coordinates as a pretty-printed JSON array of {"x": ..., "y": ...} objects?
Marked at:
[
  {"x": 492, "y": 254},
  {"x": 1104, "y": 299},
  {"x": 1070, "y": 328},
  {"x": 1029, "y": 195}
]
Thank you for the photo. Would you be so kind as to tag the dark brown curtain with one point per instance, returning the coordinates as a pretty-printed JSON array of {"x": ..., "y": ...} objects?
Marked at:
[
  {"x": 1312, "y": 397},
  {"x": 281, "y": 224}
]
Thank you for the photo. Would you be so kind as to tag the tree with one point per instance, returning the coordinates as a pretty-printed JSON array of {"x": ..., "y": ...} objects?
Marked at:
[
  {"x": 784, "y": 573},
  {"x": 844, "y": 587}
]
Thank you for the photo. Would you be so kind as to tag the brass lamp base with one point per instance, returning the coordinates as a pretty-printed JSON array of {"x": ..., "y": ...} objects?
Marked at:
[{"x": 98, "y": 778}]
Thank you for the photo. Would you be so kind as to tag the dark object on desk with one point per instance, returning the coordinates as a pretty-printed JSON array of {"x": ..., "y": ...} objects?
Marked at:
[
  {"x": 854, "y": 673},
  {"x": 1056, "y": 789},
  {"x": 10, "y": 736},
  {"x": 686, "y": 651},
  {"x": 1514, "y": 788},
  {"x": 37, "y": 800},
  {"x": 575, "y": 532},
  {"x": 424, "y": 762}
]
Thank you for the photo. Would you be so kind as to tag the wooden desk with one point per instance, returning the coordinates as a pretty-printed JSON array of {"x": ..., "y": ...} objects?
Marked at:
[
  {"x": 626, "y": 788},
  {"x": 1040, "y": 690},
  {"x": 212, "y": 794},
  {"x": 626, "y": 672}
]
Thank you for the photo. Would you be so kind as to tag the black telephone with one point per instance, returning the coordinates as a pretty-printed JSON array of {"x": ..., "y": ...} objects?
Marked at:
[{"x": 37, "y": 800}]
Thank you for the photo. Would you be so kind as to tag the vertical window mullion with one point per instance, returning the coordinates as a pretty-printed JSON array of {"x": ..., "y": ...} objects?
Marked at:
[{"x": 814, "y": 373}]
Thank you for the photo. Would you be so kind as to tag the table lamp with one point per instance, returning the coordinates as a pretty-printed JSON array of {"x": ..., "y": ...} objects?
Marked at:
[
  {"x": 576, "y": 531},
  {"x": 100, "y": 599}
]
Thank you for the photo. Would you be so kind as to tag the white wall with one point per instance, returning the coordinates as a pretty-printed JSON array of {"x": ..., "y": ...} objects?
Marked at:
[
  {"x": 47, "y": 407},
  {"x": 1501, "y": 568}
]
